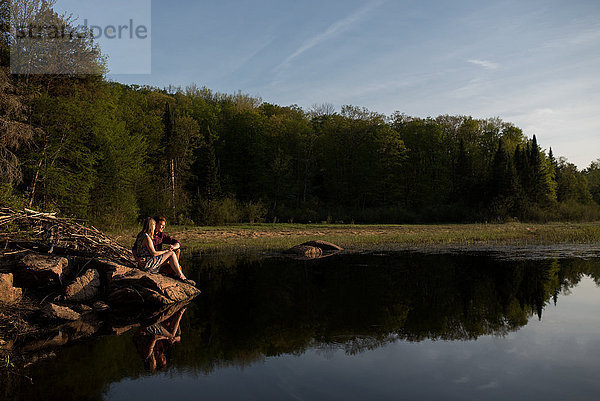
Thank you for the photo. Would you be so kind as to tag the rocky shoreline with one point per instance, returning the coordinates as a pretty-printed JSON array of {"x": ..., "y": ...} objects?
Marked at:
[
  {"x": 49, "y": 300},
  {"x": 62, "y": 281}
]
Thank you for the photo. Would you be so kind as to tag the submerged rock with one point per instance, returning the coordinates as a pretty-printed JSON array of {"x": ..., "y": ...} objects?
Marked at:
[
  {"x": 39, "y": 270},
  {"x": 8, "y": 293}
]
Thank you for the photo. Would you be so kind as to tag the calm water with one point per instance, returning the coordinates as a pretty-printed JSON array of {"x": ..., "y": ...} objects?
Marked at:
[{"x": 352, "y": 327}]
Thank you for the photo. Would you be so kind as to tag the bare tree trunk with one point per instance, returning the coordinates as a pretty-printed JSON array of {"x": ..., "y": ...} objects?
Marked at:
[
  {"x": 34, "y": 183},
  {"x": 173, "y": 186}
]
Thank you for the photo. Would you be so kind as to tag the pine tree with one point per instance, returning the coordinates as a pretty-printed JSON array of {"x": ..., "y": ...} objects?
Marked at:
[
  {"x": 551, "y": 158},
  {"x": 503, "y": 183},
  {"x": 522, "y": 167},
  {"x": 543, "y": 186}
]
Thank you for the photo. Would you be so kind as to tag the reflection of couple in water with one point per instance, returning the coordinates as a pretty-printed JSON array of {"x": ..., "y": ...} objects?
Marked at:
[{"x": 153, "y": 341}]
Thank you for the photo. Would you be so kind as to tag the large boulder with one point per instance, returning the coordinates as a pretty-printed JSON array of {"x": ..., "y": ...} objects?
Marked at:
[
  {"x": 131, "y": 286},
  {"x": 8, "y": 293},
  {"x": 107, "y": 268},
  {"x": 84, "y": 288},
  {"x": 324, "y": 245},
  {"x": 39, "y": 270},
  {"x": 304, "y": 251},
  {"x": 312, "y": 250}
]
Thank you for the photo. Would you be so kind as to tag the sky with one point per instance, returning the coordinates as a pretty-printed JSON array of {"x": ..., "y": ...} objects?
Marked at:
[{"x": 534, "y": 63}]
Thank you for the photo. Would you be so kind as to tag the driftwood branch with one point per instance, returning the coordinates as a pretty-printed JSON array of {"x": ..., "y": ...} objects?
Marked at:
[{"x": 58, "y": 234}]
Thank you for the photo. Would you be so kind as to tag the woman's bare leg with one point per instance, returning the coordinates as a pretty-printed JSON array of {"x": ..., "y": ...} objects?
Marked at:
[
  {"x": 174, "y": 264},
  {"x": 171, "y": 265}
]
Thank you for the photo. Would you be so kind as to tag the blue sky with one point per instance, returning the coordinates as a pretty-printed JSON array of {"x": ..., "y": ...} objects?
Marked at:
[{"x": 533, "y": 63}]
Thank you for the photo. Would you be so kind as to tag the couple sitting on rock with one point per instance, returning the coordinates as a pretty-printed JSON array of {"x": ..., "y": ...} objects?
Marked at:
[{"x": 149, "y": 255}]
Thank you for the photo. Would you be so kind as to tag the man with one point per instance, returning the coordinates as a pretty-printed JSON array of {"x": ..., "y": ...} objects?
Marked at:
[{"x": 159, "y": 239}]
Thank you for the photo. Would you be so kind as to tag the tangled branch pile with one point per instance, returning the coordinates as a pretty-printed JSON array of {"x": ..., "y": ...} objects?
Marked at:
[{"x": 27, "y": 228}]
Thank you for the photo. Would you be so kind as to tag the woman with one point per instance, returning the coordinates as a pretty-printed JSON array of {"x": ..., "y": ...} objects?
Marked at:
[{"x": 155, "y": 260}]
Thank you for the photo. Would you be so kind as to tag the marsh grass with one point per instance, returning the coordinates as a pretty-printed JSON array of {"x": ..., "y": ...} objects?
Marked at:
[{"x": 250, "y": 238}]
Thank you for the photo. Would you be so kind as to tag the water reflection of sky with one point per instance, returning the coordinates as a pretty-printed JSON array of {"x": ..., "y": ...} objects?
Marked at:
[{"x": 557, "y": 358}]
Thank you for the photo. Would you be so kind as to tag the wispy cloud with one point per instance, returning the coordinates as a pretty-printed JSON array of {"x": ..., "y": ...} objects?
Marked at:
[
  {"x": 590, "y": 36},
  {"x": 492, "y": 384},
  {"x": 475, "y": 87},
  {"x": 333, "y": 30},
  {"x": 462, "y": 380},
  {"x": 489, "y": 65},
  {"x": 247, "y": 54}
]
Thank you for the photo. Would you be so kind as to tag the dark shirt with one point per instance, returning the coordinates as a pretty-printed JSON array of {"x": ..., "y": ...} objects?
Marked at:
[{"x": 162, "y": 238}]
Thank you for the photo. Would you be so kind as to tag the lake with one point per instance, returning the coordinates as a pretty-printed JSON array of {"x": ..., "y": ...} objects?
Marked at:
[{"x": 389, "y": 326}]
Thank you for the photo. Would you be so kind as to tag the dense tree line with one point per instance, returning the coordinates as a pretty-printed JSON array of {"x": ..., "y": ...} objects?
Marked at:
[{"x": 114, "y": 153}]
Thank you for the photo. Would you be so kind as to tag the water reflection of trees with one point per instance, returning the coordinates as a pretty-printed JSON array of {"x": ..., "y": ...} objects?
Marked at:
[{"x": 251, "y": 309}]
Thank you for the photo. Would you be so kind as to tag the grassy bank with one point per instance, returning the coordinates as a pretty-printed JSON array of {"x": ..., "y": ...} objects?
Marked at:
[{"x": 277, "y": 237}]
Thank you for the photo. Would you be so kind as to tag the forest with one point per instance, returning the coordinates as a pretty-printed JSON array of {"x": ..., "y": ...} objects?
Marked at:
[{"x": 111, "y": 153}]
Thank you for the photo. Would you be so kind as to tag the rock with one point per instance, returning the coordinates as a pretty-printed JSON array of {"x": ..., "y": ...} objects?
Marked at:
[
  {"x": 84, "y": 288},
  {"x": 131, "y": 286},
  {"x": 310, "y": 252},
  {"x": 108, "y": 269},
  {"x": 83, "y": 308},
  {"x": 117, "y": 331},
  {"x": 81, "y": 329},
  {"x": 62, "y": 335},
  {"x": 6, "y": 344},
  {"x": 55, "y": 312},
  {"x": 164, "y": 313},
  {"x": 55, "y": 339},
  {"x": 8, "y": 293},
  {"x": 104, "y": 265},
  {"x": 324, "y": 245},
  {"x": 100, "y": 306},
  {"x": 125, "y": 297},
  {"x": 36, "y": 358},
  {"x": 37, "y": 270}
]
